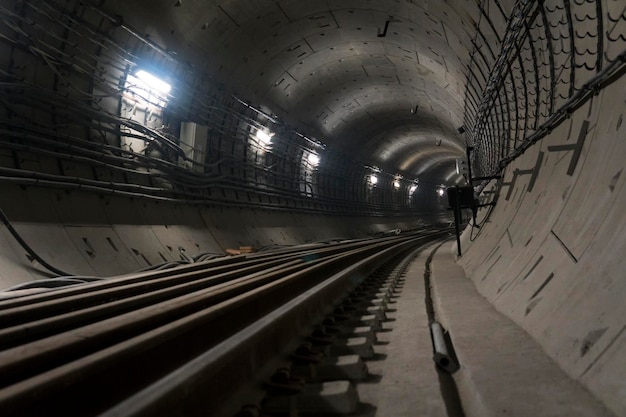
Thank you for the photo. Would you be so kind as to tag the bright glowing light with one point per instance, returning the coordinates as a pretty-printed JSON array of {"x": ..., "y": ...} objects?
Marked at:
[
  {"x": 313, "y": 159},
  {"x": 440, "y": 192},
  {"x": 264, "y": 136},
  {"x": 153, "y": 82},
  {"x": 145, "y": 88},
  {"x": 373, "y": 179},
  {"x": 413, "y": 188},
  {"x": 396, "y": 184}
]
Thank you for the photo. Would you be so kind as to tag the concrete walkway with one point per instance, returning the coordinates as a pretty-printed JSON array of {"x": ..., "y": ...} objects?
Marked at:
[
  {"x": 404, "y": 381},
  {"x": 504, "y": 372}
]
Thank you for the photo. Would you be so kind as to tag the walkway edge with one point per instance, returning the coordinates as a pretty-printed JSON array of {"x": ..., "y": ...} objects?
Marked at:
[{"x": 504, "y": 372}]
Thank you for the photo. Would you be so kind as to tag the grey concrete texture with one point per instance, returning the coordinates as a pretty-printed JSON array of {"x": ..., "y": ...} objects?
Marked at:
[
  {"x": 552, "y": 259},
  {"x": 324, "y": 63},
  {"x": 407, "y": 382},
  {"x": 504, "y": 372},
  {"x": 85, "y": 234}
]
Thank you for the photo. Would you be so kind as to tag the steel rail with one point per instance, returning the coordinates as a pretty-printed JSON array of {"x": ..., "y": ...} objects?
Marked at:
[
  {"x": 113, "y": 282},
  {"x": 223, "y": 369},
  {"x": 45, "y": 325},
  {"x": 148, "y": 280},
  {"x": 67, "y": 352},
  {"x": 182, "y": 273},
  {"x": 94, "y": 293},
  {"x": 26, "y": 323},
  {"x": 48, "y": 352}
]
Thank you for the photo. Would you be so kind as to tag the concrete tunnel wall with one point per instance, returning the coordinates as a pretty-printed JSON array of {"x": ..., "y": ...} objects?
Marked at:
[
  {"x": 551, "y": 254},
  {"x": 85, "y": 186},
  {"x": 87, "y": 234}
]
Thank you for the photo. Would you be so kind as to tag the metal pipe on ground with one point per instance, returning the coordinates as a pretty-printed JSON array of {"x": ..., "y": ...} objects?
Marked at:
[{"x": 442, "y": 356}]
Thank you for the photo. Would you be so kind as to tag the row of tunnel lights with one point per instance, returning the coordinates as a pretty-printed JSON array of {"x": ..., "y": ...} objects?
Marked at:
[
  {"x": 265, "y": 137},
  {"x": 373, "y": 179},
  {"x": 148, "y": 82},
  {"x": 144, "y": 81},
  {"x": 154, "y": 86}
]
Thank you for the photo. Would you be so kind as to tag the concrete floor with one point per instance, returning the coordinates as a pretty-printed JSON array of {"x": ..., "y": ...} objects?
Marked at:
[
  {"x": 504, "y": 372},
  {"x": 408, "y": 384}
]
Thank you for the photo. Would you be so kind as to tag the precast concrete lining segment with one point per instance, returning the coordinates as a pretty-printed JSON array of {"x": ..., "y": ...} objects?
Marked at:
[
  {"x": 503, "y": 370},
  {"x": 413, "y": 151},
  {"x": 274, "y": 41},
  {"x": 129, "y": 29},
  {"x": 524, "y": 66},
  {"x": 552, "y": 259},
  {"x": 131, "y": 232},
  {"x": 551, "y": 57}
]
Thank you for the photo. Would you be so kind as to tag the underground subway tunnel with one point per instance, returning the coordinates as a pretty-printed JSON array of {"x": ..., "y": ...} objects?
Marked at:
[{"x": 240, "y": 208}]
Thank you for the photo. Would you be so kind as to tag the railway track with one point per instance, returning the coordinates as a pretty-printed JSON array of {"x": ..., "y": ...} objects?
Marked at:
[{"x": 193, "y": 340}]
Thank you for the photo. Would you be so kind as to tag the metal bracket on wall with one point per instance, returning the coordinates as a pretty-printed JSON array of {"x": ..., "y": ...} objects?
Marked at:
[{"x": 576, "y": 147}]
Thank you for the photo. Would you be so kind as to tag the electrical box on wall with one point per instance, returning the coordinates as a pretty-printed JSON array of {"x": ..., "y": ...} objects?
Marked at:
[
  {"x": 463, "y": 195},
  {"x": 193, "y": 141}
]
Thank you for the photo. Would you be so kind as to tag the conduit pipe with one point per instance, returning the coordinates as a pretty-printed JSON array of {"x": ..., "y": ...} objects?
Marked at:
[
  {"x": 442, "y": 357},
  {"x": 27, "y": 248}
]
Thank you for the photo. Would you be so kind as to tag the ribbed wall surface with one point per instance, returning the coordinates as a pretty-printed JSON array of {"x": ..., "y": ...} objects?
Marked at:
[
  {"x": 551, "y": 254},
  {"x": 75, "y": 118},
  {"x": 552, "y": 58}
]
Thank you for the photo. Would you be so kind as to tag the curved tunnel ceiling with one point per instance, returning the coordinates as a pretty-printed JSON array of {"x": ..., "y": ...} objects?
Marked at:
[{"x": 381, "y": 81}]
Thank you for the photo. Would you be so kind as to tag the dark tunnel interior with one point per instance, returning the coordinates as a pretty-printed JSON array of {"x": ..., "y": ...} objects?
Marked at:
[{"x": 139, "y": 132}]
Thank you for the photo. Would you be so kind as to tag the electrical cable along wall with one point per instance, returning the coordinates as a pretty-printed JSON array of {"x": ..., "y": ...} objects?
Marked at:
[
  {"x": 77, "y": 112},
  {"x": 553, "y": 56}
]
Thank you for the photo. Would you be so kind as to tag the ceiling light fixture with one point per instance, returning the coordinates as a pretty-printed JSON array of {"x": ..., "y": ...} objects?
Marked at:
[
  {"x": 153, "y": 82},
  {"x": 313, "y": 159},
  {"x": 264, "y": 136},
  {"x": 373, "y": 179}
]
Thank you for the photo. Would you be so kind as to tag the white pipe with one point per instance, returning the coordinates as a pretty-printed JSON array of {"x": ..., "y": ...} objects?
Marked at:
[{"x": 441, "y": 357}]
